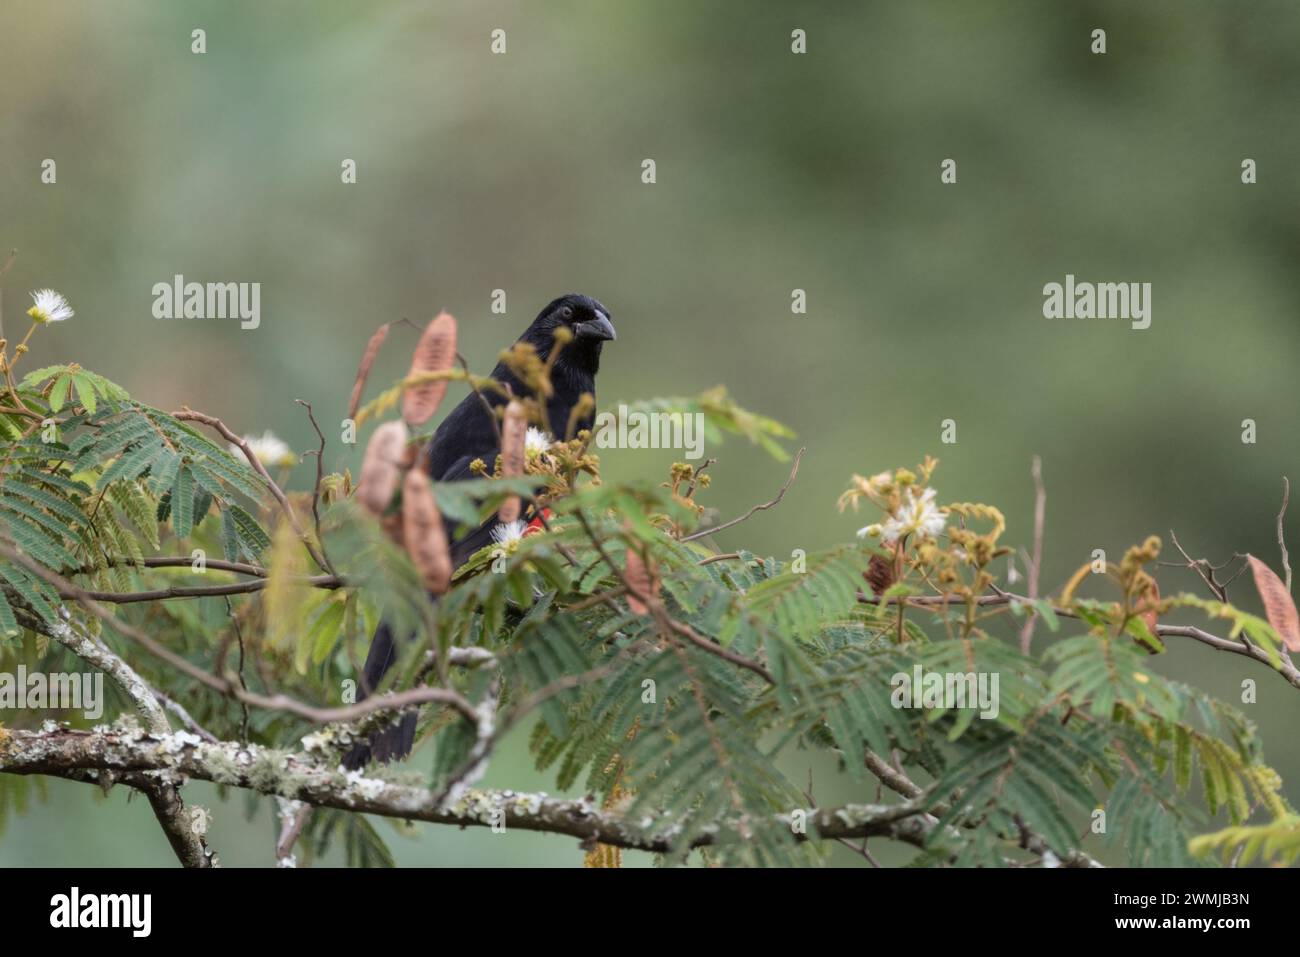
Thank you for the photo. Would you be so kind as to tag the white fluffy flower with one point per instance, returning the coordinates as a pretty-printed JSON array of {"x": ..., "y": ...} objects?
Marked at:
[
  {"x": 269, "y": 450},
  {"x": 50, "y": 306},
  {"x": 536, "y": 442},
  {"x": 917, "y": 514},
  {"x": 509, "y": 533}
]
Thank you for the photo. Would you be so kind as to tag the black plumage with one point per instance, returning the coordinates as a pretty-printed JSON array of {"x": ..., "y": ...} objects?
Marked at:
[{"x": 467, "y": 434}]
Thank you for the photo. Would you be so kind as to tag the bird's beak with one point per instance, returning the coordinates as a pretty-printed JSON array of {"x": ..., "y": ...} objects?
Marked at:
[{"x": 598, "y": 328}]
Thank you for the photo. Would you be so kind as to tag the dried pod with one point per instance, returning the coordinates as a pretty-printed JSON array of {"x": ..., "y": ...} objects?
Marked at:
[
  {"x": 641, "y": 580},
  {"x": 509, "y": 511},
  {"x": 381, "y": 466},
  {"x": 411, "y": 454},
  {"x": 392, "y": 526},
  {"x": 879, "y": 574},
  {"x": 435, "y": 352},
  {"x": 1279, "y": 607},
  {"x": 514, "y": 431},
  {"x": 363, "y": 370},
  {"x": 423, "y": 534}
]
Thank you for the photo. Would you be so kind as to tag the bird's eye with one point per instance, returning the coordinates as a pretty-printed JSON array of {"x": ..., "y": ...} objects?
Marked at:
[{"x": 566, "y": 312}]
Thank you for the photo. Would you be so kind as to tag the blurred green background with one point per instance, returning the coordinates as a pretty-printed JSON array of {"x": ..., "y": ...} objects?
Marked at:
[{"x": 775, "y": 172}]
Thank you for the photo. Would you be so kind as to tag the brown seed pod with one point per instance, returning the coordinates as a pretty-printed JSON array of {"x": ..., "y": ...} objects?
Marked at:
[
  {"x": 363, "y": 370},
  {"x": 879, "y": 574},
  {"x": 1279, "y": 607},
  {"x": 435, "y": 352},
  {"x": 514, "y": 431},
  {"x": 423, "y": 534},
  {"x": 392, "y": 526},
  {"x": 411, "y": 454},
  {"x": 641, "y": 579},
  {"x": 379, "y": 470}
]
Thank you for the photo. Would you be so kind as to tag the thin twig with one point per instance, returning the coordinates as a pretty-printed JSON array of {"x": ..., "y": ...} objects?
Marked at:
[
  {"x": 713, "y": 648},
  {"x": 487, "y": 406},
  {"x": 1202, "y": 568},
  {"x": 278, "y": 702},
  {"x": 794, "y": 470},
  {"x": 177, "y": 561},
  {"x": 1040, "y": 515},
  {"x": 1281, "y": 538},
  {"x": 9, "y": 261},
  {"x": 199, "y": 591},
  {"x": 1281, "y": 544},
  {"x": 320, "y": 477},
  {"x": 239, "y": 668},
  {"x": 723, "y": 557},
  {"x": 1284, "y": 667},
  {"x": 189, "y": 415},
  {"x": 293, "y": 817},
  {"x": 176, "y": 708},
  {"x": 661, "y": 614}
]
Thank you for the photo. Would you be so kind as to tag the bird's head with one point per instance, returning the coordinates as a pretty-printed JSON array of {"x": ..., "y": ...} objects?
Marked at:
[{"x": 586, "y": 320}]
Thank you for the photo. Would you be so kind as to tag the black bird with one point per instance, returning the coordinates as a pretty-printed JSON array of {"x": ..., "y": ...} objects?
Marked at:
[{"x": 468, "y": 434}]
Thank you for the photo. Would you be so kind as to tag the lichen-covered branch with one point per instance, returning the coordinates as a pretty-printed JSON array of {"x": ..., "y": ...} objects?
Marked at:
[
  {"x": 307, "y": 777},
  {"x": 226, "y": 686},
  {"x": 894, "y": 779},
  {"x": 95, "y": 653},
  {"x": 162, "y": 788},
  {"x": 164, "y": 793}
]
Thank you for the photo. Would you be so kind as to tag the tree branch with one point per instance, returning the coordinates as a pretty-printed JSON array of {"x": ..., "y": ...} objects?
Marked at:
[
  {"x": 794, "y": 470},
  {"x": 330, "y": 582},
  {"x": 189, "y": 415},
  {"x": 660, "y": 613},
  {"x": 87, "y": 756},
  {"x": 163, "y": 790},
  {"x": 1283, "y": 667},
  {"x": 293, "y": 818},
  {"x": 225, "y": 686},
  {"x": 164, "y": 794},
  {"x": 894, "y": 779}
]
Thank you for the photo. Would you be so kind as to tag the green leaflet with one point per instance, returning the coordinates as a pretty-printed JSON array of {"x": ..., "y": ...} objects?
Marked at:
[
  {"x": 252, "y": 537},
  {"x": 796, "y": 603},
  {"x": 1101, "y": 672},
  {"x": 8, "y": 623},
  {"x": 36, "y": 594},
  {"x": 315, "y": 643},
  {"x": 183, "y": 502}
]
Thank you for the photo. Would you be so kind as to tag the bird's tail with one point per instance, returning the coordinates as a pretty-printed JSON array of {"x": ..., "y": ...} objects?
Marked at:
[
  {"x": 391, "y": 743},
  {"x": 395, "y": 741}
]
